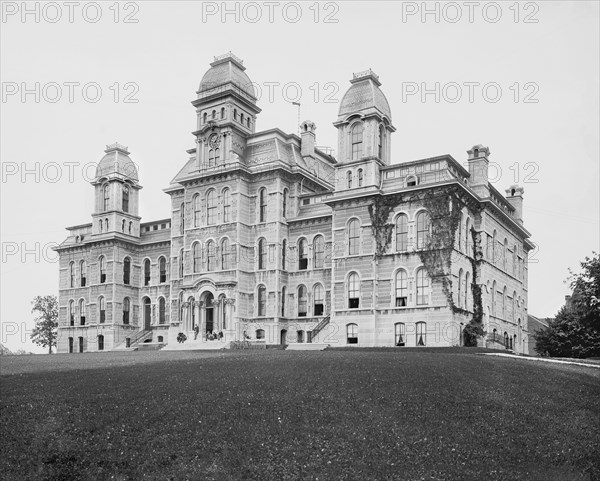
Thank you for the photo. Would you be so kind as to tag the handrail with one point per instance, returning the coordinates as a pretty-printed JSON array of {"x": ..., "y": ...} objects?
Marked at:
[{"x": 319, "y": 327}]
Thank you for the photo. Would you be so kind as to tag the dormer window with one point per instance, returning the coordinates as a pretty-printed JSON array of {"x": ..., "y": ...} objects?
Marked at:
[{"x": 357, "y": 140}]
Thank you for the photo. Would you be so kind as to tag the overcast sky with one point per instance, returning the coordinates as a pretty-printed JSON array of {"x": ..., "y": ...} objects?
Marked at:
[{"x": 521, "y": 79}]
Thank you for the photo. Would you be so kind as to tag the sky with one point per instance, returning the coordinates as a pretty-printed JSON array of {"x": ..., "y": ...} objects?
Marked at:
[{"x": 520, "y": 78}]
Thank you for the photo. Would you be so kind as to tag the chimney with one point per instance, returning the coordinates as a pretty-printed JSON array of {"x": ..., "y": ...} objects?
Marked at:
[
  {"x": 307, "y": 137},
  {"x": 514, "y": 195},
  {"x": 478, "y": 168}
]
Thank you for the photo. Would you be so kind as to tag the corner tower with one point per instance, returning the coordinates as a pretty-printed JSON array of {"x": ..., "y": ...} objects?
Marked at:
[
  {"x": 116, "y": 194},
  {"x": 226, "y": 112},
  {"x": 364, "y": 132}
]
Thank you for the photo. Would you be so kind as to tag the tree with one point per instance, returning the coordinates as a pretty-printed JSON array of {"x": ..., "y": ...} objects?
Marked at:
[
  {"x": 575, "y": 331},
  {"x": 46, "y": 324},
  {"x": 586, "y": 291}
]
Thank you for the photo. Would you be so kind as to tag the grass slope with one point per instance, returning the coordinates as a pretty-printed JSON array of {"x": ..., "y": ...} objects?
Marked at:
[{"x": 364, "y": 415}]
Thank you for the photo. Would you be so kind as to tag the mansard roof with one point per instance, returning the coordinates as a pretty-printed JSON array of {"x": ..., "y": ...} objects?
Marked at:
[
  {"x": 117, "y": 163},
  {"x": 364, "y": 96}
]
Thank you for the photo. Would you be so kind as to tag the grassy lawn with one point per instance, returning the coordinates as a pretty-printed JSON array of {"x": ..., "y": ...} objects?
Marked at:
[{"x": 413, "y": 414}]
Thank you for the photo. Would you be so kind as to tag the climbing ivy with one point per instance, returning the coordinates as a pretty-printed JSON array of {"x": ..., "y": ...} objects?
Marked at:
[{"x": 444, "y": 206}]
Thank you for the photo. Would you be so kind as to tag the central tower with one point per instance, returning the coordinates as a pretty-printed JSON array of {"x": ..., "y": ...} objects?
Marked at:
[{"x": 226, "y": 112}]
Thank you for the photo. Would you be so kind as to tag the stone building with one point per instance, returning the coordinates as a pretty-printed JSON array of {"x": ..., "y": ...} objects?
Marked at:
[{"x": 272, "y": 238}]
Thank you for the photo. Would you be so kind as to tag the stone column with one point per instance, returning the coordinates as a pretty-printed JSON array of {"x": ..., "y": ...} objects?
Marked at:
[{"x": 197, "y": 311}]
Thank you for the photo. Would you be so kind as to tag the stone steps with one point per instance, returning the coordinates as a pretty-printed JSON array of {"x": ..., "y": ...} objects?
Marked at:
[
  {"x": 308, "y": 346},
  {"x": 196, "y": 345}
]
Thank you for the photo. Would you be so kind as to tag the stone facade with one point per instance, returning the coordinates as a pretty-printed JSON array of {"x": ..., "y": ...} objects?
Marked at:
[{"x": 272, "y": 238}]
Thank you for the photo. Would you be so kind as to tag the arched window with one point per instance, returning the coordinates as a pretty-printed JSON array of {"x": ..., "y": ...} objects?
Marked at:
[
  {"x": 459, "y": 290},
  {"x": 162, "y": 269},
  {"x": 147, "y": 272},
  {"x": 514, "y": 261},
  {"x": 100, "y": 342},
  {"x": 102, "y": 269},
  {"x": 380, "y": 142},
  {"x": 102, "y": 309},
  {"x": 467, "y": 289},
  {"x": 302, "y": 301},
  {"x": 302, "y": 255},
  {"x": 123, "y": 225},
  {"x": 260, "y": 333},
  {"x": 349, "y": 179},
  {"x": 422, "y": 288},
  {"x": 494, "y": 298},
  {"x": 505, "y": 339},
  {"x": 353, "y": 291},
  {"x": 82, "y": 273},
  {"x": 283, "y": 254},
  {"x": 262, "y": 205},
  {"x": 222, "y": 112},
  {"x": 353, "y": 237},
  {"x": 126, "y": 308},
  {"x": 248, "y": 122},
  {"x": 514, "y": 307},
  {"x": 421, "y": 334},
  {"x": 197, "y": 211},
  {"x": 401, "y": 233},
  {"x": 357, "y": 141},
  {"x": 400, "y": 334},
  {"x": 126, "y": 270},
  {"x": 468, "y": 243},
  {"x": 352, "y": 334},
  {"x": 318, "y": 252},
  {"x": 211, "y": 207},
  {"x": 360, "y": 177},
  {"x": 226, "y": 205},
  {"x": 197, "y": 257},
  {"x": 504, "y": 303},
  {"x": 283, "y": 294},
  {"x": 234, "y": 114},
  {"x": 105, "y": 198},
  {"x": 125, "y": 206},
  {"x": 100, "y": 225},
  {"x": 204, "y": 117},
  {"x": 192, "y": 310},
  {"x": 130, "y": 226},
  {"x": 162, "y": 311},
  {"x": 71, "y": 274},
  {"x": 181, "y": 263},
  {"x": 262, "y": 301},
  {"x": 401, "y": 288},
  {"x": 422, "y": 230},
  {"x": 225, "y": 254},
  {"x": 459, "y": 232},
  {"x": 106, "y": 225},
  {"x": 318, "y": 300},
  {"x": 505, "y": 254},
  {"x": 71, "y": 313},
  {"x": 210, "y": 256},
  {"x": 262, "y": 254},
  {"x": 214, "y": 114},
  {"x": 182, "y": 218},
  {"x": 494, "y": 247},
  {"x": 284, "y": 203},
  {"x": 241, "y": 118},
  {"x": 82, "y": 312}
]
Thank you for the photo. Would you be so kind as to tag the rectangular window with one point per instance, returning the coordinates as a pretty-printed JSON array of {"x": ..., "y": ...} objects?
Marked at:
[
  {"x": 318, "y": 310},
  {"x": 400, "y": 334}
]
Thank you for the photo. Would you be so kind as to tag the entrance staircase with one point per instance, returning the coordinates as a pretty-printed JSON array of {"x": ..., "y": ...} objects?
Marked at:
[
  {"x": 311, "y": 346},
  {"x": 134, "y": 341}
]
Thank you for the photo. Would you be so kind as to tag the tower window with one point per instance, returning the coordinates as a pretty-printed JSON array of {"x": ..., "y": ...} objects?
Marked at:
[
  {"x": 125, "y": 206},
  {"x": 353, "y": 237},
  {"x": 262, "y": 254},
  {"x": 349, "y": 179},
  {"x": 102, "y": 269},
  {"x": 360, "y": 177},
  {"x": 262, "y": 205},
  {"x": 226, "y": 205},
  {"x": 210, "y": 256},
  {"x": 225, "y": 254},
  {"x": 380, "y": 142},
  {"x": 82, "y": 273},
  {"x": 126, "y": 270},
  {"x": 318, "y": 252},
  {"x": 102, "y": 309},
  {"x": 126, "y": 307},
  {"x": 401, "y": 233},
  {"x": 147, "y": 272},
  {"x": 196, "y": 207},
  {"x": 422, "y": 230},
  {"x": 401, "y": 288},
  {"x": 211, "y": 207},
  {"x": 162, "y": 270},
  {"x": 106, "y": 198},
  {"x": 222, "y": 112},
  {"x": 318, "y": 300},
  {"x": 357, "y": 141},
  {"x": 262, "y": 301}
]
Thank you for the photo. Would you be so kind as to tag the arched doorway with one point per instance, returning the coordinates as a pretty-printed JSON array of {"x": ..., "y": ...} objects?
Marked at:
[
  {"x": 209, "y": 317},
  {"x": 283, "y": 337},
  {"x": 147, "y": 313}
]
